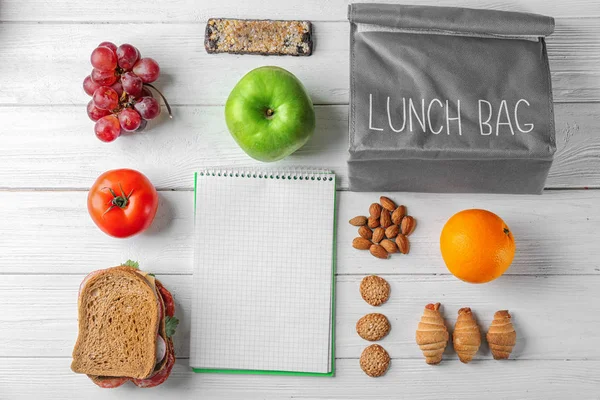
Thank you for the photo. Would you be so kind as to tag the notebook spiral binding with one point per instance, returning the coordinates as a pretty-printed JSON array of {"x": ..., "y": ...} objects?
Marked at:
[{"x": 301, "y": 174}]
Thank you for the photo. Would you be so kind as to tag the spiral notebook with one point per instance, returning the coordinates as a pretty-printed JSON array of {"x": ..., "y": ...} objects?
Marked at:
[{"x": 264, "y": 272}]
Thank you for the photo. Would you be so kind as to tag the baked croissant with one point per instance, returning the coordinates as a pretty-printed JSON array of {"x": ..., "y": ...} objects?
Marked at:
[
  {"x": 501, "y": 336},
  {"x": 466, "y": 336},
  {"x": 432, "y": 335}
]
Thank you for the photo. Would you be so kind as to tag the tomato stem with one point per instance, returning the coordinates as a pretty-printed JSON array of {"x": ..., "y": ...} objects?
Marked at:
[
  {"x": 117, "y": 201},
  {"x": 506, "y": 231},
  {"x": 163, "y": 97}
]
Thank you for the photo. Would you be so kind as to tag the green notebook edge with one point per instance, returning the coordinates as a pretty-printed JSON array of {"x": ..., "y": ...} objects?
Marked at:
[{"x": 333, "y": 287}]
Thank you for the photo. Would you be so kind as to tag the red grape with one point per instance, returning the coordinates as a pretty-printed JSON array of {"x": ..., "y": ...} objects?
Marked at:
[
  {"x": 118, "y": 88},
  {"x": 104, "y": 59},
  {"x": 89, "y": 86},
  {"x": 94, "y": 112},
  {"x": 148, "y": 107},
  {"x": 130, "y": 119},
  {"x": 147, "y": 69},
  {"x": 132, "y": 84},
  {"x": 121, "y": 102},
  {"x": 103, "y": 78},
  {"x": 106, "y": 98},
  {"x": 127, "y": 55},
  {"x": 107, "y": 128},
  {"x": 142, "y": 125},
  {"x": 110, "y": 45}
]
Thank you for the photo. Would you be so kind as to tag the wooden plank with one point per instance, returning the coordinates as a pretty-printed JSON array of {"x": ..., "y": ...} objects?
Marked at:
[
  {"x": 543, "y": 247},
  {"x": 39, "y": 315},
  {"x": 51, "y": 232},
  {"x": 191, "y": 76},
  {"x": 569, "y": 42},
  {"x": 411, "y": 379},
  {"x": 191, "y": 11},
  {"x": 58, "y": 60},
  {"x": 56, "y": 148},
  {"x": 577, "y": 140}
]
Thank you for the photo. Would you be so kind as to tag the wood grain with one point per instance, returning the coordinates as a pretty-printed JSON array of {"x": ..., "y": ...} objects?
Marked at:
[
  {"x": 48, "y": 243},
  {"x": 56, "y": 62},
  {"x": 55, "y": 147},
  {"x": 192, "y": 11},
  {"x": 51, "y": 232},
  {"x": 62, "y": 151},
  {"x": 40, "y": 314},
  {"x": 411, "y": 379}
]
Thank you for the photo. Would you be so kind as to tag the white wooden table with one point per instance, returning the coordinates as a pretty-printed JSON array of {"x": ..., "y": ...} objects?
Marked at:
[{"x": 49, "y": 157}]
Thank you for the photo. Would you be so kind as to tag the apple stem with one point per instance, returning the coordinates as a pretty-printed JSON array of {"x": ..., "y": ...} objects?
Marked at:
[{"x": 269, "y": 112}]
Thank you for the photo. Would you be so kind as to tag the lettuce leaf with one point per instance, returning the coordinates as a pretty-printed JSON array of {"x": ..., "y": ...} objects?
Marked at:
[
  {"x": 170, "y": 325},
  {"x": 132, "y": 264}
]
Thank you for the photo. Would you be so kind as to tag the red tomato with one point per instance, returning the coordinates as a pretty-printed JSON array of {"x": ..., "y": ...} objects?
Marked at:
[{"x": 122, "y": 202}]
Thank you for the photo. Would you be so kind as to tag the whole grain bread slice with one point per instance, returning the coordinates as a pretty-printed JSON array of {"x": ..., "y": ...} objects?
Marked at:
[{"x": 118, "y": 322}]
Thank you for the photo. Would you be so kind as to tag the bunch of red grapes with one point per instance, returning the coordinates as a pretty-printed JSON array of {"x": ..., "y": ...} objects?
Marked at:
[{"x": 119, "y": 85}]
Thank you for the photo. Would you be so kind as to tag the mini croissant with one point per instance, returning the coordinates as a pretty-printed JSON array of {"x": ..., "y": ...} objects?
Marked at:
[
  {"x": 432, "y": 335},
  {"x": 501, "y": 336},
  {"x": 466, "y": 336}
]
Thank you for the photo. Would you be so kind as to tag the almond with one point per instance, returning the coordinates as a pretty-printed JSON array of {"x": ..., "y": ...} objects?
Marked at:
[
  {"x": 373, "y": 222},
  {"x": 365, "y": 232},
  {"x": 378, "y": 251},
  {"x": 358, "y": 221},
  {"x": 387, "y": 203},
  {"x": 408, "y": 225},
  {"x": 375, "y": 210},
  {"x": 378, "y": 234},
  {"x": 392, "y": 231},
  {"x": 398, "y": 214},
  {"x": 389, "y": 246},
  {"x": 403, "y": 244},
  {"x": 385, "y": 220},
  {"x": 361, "y": 243}
]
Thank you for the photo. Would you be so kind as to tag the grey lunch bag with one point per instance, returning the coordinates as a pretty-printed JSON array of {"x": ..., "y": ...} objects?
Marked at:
[{"x": 449, "y": 100}]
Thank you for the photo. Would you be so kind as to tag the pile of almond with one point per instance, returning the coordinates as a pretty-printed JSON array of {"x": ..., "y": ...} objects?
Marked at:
[{"x": 386, "y": 229}]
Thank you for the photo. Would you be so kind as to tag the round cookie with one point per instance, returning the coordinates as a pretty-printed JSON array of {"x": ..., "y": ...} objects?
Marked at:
[
  {"x": 374, "y": 360},
  {"x": 374, "y": 290},
  {"x": 373, "y": 327}
]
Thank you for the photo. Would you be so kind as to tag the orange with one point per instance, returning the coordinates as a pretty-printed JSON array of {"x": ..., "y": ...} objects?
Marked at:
[{"x": 477, "y": 246}]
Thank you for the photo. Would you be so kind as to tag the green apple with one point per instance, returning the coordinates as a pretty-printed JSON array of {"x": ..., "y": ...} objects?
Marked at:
[{"x": 270, "y": 114}]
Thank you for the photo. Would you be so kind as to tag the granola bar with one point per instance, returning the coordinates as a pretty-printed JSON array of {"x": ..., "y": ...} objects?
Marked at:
[{"x": 265, "y": 37}]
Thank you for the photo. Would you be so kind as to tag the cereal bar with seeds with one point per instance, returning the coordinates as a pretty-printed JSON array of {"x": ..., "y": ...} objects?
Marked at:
[{"x": 264, "y": 37}]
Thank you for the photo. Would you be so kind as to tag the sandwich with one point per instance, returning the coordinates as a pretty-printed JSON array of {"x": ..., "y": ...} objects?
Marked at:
[{"x": 126, "y": 320}]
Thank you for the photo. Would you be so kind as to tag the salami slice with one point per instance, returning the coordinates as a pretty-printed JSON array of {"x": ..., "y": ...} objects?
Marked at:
[
  {"x": 167, "y": 298},
  {"x": 108, "y": 382},
  {"x": 162, "y": 374}
]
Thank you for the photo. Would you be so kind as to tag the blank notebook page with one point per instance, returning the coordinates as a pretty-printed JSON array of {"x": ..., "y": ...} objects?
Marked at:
[{"x": 263, "y": 271}]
